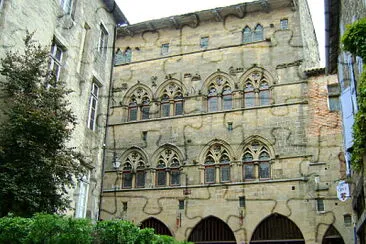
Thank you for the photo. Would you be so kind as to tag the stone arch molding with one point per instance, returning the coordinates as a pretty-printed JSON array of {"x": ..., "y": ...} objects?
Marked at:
[
  {"x": 169, "y": 156},
  {"x": 134, "y": 155},
  {"x": 219, "y": 80},
  {"x": 139, "y": 91},
  {"x": 171, "y": 87},
  {"x": 256, "y": 75},
  {"x": 261, "y": 140},
  {"x": 210, "y": 146}
]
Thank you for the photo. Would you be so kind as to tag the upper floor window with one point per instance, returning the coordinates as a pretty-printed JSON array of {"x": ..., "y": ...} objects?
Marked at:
[
  {"x": 178, "y": 104},
  {"x": 123, "y": 57},
  {"x": 127, "y": 176},
  {"x": 256, "y": 90},
  {"x": 145, "y": 108},
  {"x": 204, "y": 42},
  {"x": 103, "y": 40},
  {"x": 93, "y": 106},
  {"x": 66, "y": 5},
  {"x": 134, "y": 160},
  {"x": 219, "y": 95},
  {"x": 217, "y": 156},
  {"x": 82, "y": 200},
  {"x": 165, "y": 49},
  {"x": 172, "y": 101},
  {"x": 168, "y": 168},
  {"x": 56, "y": 60},
  {"x": 284, "y": 24},
  {"x": 253, "y": 36},
  {"x": 333, "y": 97},
  {"x": 227, "y": 98},
  {"x": 139, "y": 105},
  {"x": 165, "y": 106},
  {"x": 212, "y": 99},
  {"x": 132, "y": 110},
  {"x": 256, "y": 162}
]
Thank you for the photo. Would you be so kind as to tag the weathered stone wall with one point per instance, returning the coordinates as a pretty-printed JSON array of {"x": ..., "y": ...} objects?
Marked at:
[
  {"x": 82, "y": 63},
  {"x": 301, "y": 135}
]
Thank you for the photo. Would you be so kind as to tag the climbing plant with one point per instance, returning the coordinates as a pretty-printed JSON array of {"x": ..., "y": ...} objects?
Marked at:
[{"x": 354, "y": 41}]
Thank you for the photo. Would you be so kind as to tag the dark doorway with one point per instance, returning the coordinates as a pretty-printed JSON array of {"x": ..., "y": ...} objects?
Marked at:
[
  {"x": 159, "y": 227},
  {"x": 332, "y": 236},
  {"x": 277, "y": 229},
  {"x": 212, "y": 230}
]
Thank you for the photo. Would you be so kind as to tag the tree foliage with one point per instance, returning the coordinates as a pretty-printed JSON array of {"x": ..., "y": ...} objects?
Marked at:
[
  {"x": 354, "y": 41},
  {"x": 36, "y": 167}
]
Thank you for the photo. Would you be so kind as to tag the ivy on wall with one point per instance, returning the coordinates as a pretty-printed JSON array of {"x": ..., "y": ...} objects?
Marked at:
[{"x": 354, "y": 41}]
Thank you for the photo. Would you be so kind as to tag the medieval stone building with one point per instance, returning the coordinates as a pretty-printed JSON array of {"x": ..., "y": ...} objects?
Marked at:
[
  {"x": 221, "y": 130},
  {"x": 80, "y": 36}
]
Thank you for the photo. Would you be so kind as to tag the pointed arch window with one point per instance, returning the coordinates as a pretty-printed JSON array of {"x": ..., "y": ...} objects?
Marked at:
[
  {"x": 145, "y": 109},
  {"x": 161, "y": 173},
  {"x": 140, "y": 175},
  {"x": 256, "y": 90},
  {"x": 224, "y": 168},
  {"x": 132, "y": 110},
  {"x": 212, "y": 99},
  {"x": 178, "y": 104},
  {"x": 210, "y": 174},
  {"x": 127, "y": 176},
  {"x": 217, "y": 159},
  {"x": 256, "y": 162},
  {"x": 258, "y": 33},
  {"x": 247, "y": 35},
  {"x": 227, "y": 98},
  {"x": 165, "y": 106}
]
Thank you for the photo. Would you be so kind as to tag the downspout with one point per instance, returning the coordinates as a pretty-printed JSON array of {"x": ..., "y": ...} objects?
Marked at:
[{"x": 107, "y": 120}]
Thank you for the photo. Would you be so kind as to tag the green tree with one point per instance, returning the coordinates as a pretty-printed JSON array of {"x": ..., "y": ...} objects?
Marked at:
[{"x": 36, "y": 167}]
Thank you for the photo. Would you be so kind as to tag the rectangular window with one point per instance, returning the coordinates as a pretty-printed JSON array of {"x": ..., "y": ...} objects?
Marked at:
[
  {"x": 66, "y": 5},
  {"x": 249, "y": 172},
  {"x": 165, "y": 109},
  {"x": 264, "y": 97},
  {"x": 212, "y": 104},
  {"x": 175, "y": 177},
  {"x": 249, "y": 99},
  {"x": 204, "y": 42},
  {"x": 81, "y": 204},
  {"x": 264, "y": 170},
  {"x": 242, "y": 202},
  {"x": 210, "y": 175},
  {"x": 227, "y": 102},
  {"x": 333, "y": 97},
  {"x": 93, "y": 106},
  {"x": 145, "y": 112},
  {"x": 165, "y": 49},
  {"x": 230, "y": 126},
  {"x": 181, "y": 204},
  {"x": 127, "y": 179},
  {"x": 132, "y": 114},
  {"x": 161, "y": 178},
  {"x": 56, "y": 60},
  {"x": 124, "y": 206},
  {"x": 140, "y": 179},
  {"x": 144, "y": 135},
  {"x": 225, "y": 173},
  {"x": 284, "y": 24},
  {"x": 347, "y": 219},
  {"x": 178, "y": 109},
  {"x": 103, "y": 40},
  {"x": 320, "y": 205}
]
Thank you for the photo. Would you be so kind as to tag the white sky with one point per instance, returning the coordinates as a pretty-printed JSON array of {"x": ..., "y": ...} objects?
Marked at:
[{"x": 142, "y": 10}]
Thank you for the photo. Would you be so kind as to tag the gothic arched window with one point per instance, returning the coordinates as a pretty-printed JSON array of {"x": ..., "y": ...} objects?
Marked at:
[
  {"x": 165, "y": 106},
  {"x": 178, "y": 104},
  {"x": 168, "y": 161},
  {"x": 210, "y": 174},
  {"x": 133, "y": 160},
  {"x": 140, "y": 175},
  {"x": 175, "y": 172},
  {"x": 132, "y": 110},
  {"x": 227, "y": 98},
  {"x": 217, "y": 157},
  {"x": 256, "y": 161},
  {"x": 161, "y": 173},
  {"x": 139, "y": 104},
  {"x": 247, "y": 35},
  {"x": 224, "y": 168},
  {"x": 145, "y": 108},
  {"x": 172, "y": 101},
  {"x": 258, "y": 33},
  {"x": 256, "y": 90}
]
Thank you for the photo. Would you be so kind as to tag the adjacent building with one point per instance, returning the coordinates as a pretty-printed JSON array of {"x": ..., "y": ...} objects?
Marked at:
[
  {"x": 222, "y": 129},
  {"x": 348, "y": 67},
  {"x": 80, "y": 36}
]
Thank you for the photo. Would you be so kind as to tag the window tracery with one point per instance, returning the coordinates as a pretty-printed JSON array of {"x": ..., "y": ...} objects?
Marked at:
[
  {"x": 171, "y": 101},
  {"x": 256, "y": 90},
  {"x": 134, "y": 159},
  {"x": 256, "y": 161},
  {"x": 217, "y": 157},
  {"x": 168, "y": 168},
  {"x": 139, "y": 105},
  {"x": 219, "y": 95},
  {"x": 249, "y": 35}
]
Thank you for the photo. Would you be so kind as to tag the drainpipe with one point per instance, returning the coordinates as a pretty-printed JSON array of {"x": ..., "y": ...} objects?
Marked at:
[{"x": 107, "y": 120}]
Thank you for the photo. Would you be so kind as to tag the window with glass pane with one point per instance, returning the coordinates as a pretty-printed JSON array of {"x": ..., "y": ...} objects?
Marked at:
[
  {"x": 227, "y": 98},
  {"x": 103, "y": 40},
  {"x": 132, "y": 111},
  {"x": 165, "y": 106},
  {"x": 178, "y": 104},
  {"x": 212, "y": 104},
  {"x": 225, "y": 173},
  {"x": 204, "y": 42},
  {"x": 140, "y": 176},
  {"x": 165, "y": 49},
  {"x": 264, "y": 170},
  {"x": 210, "y": 174},
  {"x": 258, "y": 33},
  {"x": 249, "y": 96},
  {"x": 66, "y": 5},
  {"x": 247, "y": 35},
  {"x": 145, "y": 109},
  {"x": 264, "y": 94},
  {"x": 160, "y": 174},
  {"x": 128, "y": 55},
  {"x": 175, "y": 177},
  {"x": 93, "y": 105},
  {"x": 249, "y": 173},
  {"x": 284, "y": 24},
  {"x": 56, "y": 60},
  {"x": 127, "y": 179}
]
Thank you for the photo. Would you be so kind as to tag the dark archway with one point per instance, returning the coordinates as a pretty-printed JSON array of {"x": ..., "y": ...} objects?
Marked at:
[
  {"x": 212, "y": 230},
  {"x": 277, "y": 229},
  {"x": 332, "y": 236},
  {"x": 159, "y": 227}
]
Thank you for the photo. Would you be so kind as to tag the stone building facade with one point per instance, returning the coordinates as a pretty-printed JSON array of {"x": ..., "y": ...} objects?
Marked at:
[
  {"x": 220, "y": 129},
  {"x": 348, "y": 67},
  {"x": 80, "y": 36}
]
